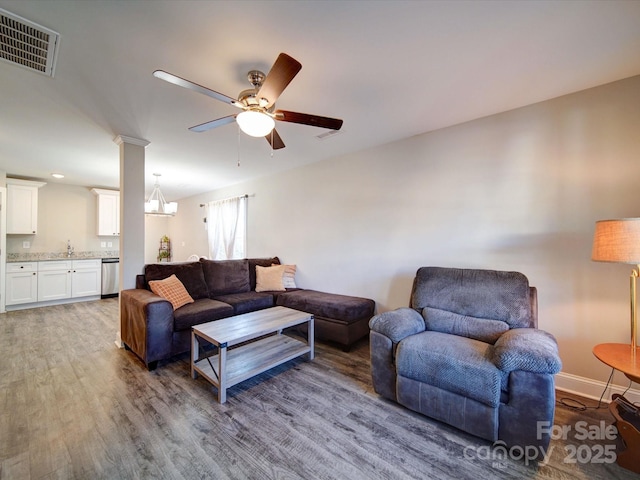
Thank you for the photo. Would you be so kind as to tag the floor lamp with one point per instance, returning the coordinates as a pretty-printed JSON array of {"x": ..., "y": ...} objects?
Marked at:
[{"x": 618, "y": 241}]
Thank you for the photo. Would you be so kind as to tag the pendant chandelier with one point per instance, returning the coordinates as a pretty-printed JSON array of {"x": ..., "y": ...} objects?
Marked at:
[{"x": 156, "y": 204}]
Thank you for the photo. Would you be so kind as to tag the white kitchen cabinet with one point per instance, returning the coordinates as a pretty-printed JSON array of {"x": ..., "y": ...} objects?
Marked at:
[
  {"x": 60, "y": 279},
  {"x": 22, "y": 206},
  {"x": 86, "y": 278},
  {"x": 22, "y": 283},
  {"x": 54, "y": 280},
  {"x": 49, "y": 282},
  {"x": 108, "y": 212}
]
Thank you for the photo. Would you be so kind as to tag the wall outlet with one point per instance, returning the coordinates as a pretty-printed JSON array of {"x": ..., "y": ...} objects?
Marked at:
[
  {"x": 103, "y": 244},
  {"x": 109, "y": 244},
  {"x": 26, "y": 244}
]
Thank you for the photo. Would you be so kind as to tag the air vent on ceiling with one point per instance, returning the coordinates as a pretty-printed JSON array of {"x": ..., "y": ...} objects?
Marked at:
[{"x": 28, "y": 44}]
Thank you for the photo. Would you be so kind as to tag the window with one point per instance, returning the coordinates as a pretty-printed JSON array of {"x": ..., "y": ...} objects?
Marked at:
[{"x": 227, "y": 228}]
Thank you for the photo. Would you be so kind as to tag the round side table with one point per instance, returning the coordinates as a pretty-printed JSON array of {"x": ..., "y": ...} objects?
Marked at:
[{"x": 621, "y": 357}]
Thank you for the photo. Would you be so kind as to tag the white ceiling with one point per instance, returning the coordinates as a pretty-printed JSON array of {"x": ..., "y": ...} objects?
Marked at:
[{"x": 390, "y": 69}]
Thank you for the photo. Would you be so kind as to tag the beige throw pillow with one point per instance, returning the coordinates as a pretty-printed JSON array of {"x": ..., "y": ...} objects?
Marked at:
[
  {"x": 269, "y": 279},
  {"x": 171, "y": 289}
]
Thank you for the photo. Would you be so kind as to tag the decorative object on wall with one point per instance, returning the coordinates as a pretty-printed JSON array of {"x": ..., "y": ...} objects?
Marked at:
[
  {"x": 156, "y": 204},
  {"x": 619, "y": 241},
  {"x": 258, "y": 116},
  {"x": 164, "y": 252}
]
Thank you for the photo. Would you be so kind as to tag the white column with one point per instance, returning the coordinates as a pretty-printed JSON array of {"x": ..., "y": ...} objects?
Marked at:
[{"x": 131, "y": 211}]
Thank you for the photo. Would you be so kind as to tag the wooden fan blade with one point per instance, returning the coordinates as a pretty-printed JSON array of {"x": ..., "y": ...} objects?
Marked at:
[
  {"x": 277, "y": 141},
  {"x": 306, "y": 119},
  {"x": 181, "y": 82},
  {"x": 280, "y": 75},
  {"x": 203, "y": 127}
]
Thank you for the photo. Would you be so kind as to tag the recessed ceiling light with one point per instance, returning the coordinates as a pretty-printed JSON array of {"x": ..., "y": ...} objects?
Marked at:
[{"x": 57, "y": 175}]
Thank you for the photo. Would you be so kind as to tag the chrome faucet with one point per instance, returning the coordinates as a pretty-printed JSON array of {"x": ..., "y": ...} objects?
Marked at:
[{"x": 69, "y": 248}]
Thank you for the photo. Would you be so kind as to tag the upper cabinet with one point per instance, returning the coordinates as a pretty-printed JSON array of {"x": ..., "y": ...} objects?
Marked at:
[
  {"x": 108, "y": 212},
  {"x": 22, "y": 206}
]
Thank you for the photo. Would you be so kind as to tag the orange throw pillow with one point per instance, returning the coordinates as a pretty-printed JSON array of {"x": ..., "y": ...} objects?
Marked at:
[{"x": 172, "y": 289}]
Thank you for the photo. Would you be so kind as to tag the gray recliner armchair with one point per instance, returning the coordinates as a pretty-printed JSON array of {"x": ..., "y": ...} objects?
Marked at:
[{"x": 468, "y": 353}]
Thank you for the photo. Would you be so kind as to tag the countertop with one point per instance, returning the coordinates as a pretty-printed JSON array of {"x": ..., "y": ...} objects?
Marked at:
[{"x": 43, "y": 256}]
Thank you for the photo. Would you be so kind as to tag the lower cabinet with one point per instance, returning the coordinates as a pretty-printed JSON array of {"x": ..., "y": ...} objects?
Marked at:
[
  {"x": 86, "y": 278},
  {"x": 22, "y": 283},
  {"x": 52, "y": 280}
]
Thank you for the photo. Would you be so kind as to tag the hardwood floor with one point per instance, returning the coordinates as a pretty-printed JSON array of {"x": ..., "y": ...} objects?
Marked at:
[{"x": 73, "y": 406}]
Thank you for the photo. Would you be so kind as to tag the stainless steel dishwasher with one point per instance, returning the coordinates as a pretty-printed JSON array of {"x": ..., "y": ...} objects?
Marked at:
[{"x": 110, "y": 277}]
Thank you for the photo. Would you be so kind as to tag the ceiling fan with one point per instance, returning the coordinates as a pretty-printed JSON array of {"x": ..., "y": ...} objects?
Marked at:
[{"x": 258, "y": 103}]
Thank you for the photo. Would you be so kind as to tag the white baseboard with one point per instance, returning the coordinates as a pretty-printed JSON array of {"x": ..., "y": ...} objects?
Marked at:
[{"x": 593, "y": 389}]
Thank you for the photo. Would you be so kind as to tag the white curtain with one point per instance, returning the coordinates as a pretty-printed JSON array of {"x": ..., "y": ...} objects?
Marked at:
[{"x": 227, "y": 228}]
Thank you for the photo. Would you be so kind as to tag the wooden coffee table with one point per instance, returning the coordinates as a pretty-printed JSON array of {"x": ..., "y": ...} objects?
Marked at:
[{"x": 263, "y": 346}]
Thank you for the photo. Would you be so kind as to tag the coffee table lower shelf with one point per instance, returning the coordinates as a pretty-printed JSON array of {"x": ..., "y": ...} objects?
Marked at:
[{"x": 244, "y": 362}]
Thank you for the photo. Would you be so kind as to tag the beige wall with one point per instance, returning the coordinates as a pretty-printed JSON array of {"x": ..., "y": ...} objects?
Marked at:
[
  {"x": 65, "y": 212},
  {"x": 519, "y": 190}
]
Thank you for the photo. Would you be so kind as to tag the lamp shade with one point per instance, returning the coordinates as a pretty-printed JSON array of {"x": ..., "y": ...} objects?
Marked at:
[
  {"x": 151, "y": 206},
  {"x": 617, "y": 241},
  {"x": 171, "y": 207},
  {"x": 256, "y": 124}
]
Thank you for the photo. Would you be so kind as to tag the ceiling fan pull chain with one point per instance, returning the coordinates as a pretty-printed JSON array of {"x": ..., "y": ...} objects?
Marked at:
[
  {"x": 238, "y": 145},
  {"x": 272, "y": 143}
]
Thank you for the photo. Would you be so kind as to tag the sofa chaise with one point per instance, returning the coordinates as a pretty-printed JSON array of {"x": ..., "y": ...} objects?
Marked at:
[{"x": 154, "y": 330}]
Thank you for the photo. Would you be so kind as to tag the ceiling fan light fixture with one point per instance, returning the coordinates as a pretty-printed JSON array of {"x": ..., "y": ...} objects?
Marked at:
[
  {"x": 258, "y": 115},
  {"x": 255, "y": 123}
]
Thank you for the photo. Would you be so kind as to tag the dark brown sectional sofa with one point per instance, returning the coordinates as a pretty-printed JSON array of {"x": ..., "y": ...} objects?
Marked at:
[{"x": 154, "y": 331}]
